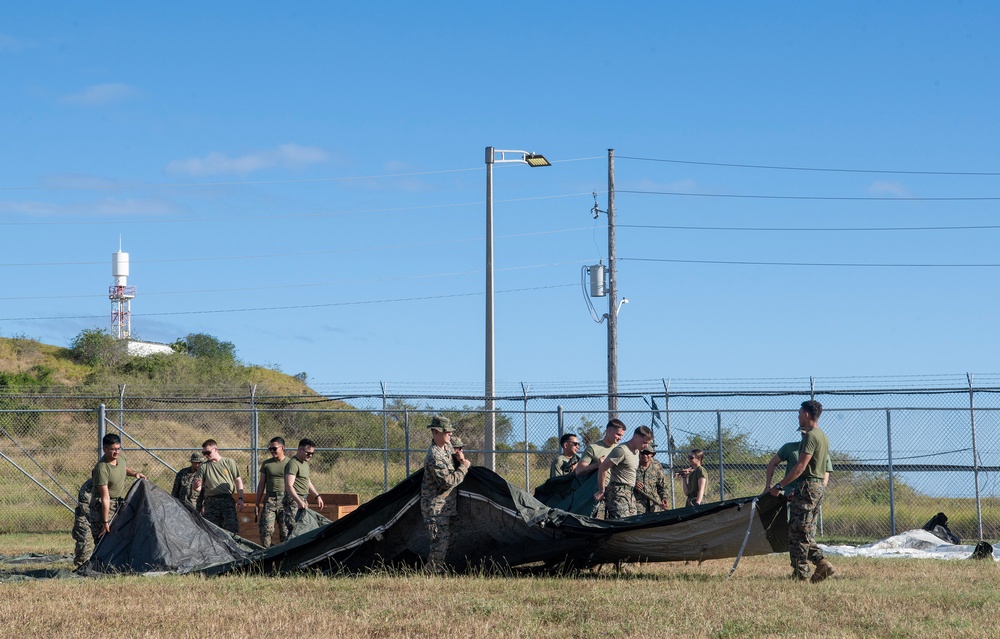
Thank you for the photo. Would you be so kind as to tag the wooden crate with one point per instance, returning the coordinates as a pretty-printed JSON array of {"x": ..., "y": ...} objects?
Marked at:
[{"x": 335, "y": 506}]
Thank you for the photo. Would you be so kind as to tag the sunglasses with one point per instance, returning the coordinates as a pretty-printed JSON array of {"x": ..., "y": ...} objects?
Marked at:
[
  {"x": 273, "y": 449},
  {"x": 206, "y": 453},
  {"x": 310, "y": 454}
]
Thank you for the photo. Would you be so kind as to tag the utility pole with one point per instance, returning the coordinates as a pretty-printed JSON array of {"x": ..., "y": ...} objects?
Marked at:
[{"x": 612, "y": 295}]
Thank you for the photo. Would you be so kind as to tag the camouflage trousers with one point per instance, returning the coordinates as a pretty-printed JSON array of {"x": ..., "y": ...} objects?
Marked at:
[
  {"x": 272, "y": 514},
  {"x": 646, "y": 504},
  {"x": 439, "y": 536},
  {"x": 290, "y": 509},
  {"x": 96, "y": 527},
  {"x": 221, "y": 511},
  {"x": 82, "y": 536},
  {"x": 802, "y": 546},
  {"x": 619, "y": 500}
]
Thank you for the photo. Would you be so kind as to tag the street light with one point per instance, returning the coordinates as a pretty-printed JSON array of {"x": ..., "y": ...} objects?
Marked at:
[{"x": 494, "y": 156}]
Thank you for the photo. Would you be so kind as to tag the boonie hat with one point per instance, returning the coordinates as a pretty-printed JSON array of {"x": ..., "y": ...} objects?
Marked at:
[
  {"x": 650, "y": 448},
  {"x": 456, "y": 442},
  {"x": 440, "y": 424},
  {"x": 197, "y": 457}
]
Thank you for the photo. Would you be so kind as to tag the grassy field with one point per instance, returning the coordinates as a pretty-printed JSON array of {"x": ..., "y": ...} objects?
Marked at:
[{"x": 867, "y": 598}]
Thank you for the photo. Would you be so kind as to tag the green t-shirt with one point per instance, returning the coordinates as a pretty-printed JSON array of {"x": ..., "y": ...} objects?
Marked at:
[
  {"x": 789, "y": 453},
  {"x": 218, "y": 477},
  {"x": 110, "y": 475},
  {"x": 624, "y": 464},
  {"x": 272, "y": 471},
  {"x": 561, "y": 462},
  {"x": 301, "y": 471},
  {"x": 691, "y": 481},
  {"x": 815, "y": 443},
  {"x": 594, "y": 452}
]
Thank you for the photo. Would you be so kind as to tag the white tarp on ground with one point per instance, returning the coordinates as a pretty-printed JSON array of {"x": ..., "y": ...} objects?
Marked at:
[{"x": 916, "y": 544}]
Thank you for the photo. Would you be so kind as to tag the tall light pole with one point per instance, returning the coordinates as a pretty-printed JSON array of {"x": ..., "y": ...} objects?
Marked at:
[
  {"x": 494, "y": 156},
  {"x": 612, "y": 295}
]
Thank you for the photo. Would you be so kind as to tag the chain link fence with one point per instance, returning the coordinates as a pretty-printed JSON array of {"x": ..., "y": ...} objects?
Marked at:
[{"x": 900, "y": 454}]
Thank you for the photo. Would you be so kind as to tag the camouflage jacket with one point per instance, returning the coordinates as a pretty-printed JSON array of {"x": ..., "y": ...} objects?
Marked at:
[
  {"x": 437, "y": 492},
  {"x": 182, "y": 487},
  {"x": 654, "y": 485},
  {"x": 83, "y": 498}
]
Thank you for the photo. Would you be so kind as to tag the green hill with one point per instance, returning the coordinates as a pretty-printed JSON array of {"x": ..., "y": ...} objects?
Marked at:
[{"x": 202, "y": 365}]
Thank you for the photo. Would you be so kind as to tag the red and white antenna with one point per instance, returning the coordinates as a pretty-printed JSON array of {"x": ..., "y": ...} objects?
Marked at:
[{"x": 120, "y": 294}]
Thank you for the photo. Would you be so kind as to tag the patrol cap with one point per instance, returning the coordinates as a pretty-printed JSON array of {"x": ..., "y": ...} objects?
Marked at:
[
  {"x": 197, "y": 457},
  {"x": 650, "y": 448},
  {"x": 440, "y": 424},
  {"x": 456, "y": 442}
]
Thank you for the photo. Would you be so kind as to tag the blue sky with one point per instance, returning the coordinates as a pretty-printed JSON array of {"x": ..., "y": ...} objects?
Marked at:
[{"x": 308, "y": 182}]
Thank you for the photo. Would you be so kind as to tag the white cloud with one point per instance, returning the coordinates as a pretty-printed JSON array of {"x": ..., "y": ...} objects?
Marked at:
[
  {"x": 895, "y": 189},
  {"x": 101, "y": 94},
  {"x": 110, "y": 207},
  {"x": 288, "y": 156},
  {"x": 10, "y": 43}
]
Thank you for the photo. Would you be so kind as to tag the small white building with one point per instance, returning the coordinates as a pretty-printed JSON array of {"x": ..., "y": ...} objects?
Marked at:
[{"x": 142, "y": 349}]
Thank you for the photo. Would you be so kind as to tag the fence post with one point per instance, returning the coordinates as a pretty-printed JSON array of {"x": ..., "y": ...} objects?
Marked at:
[
  {"x": 722, "y": 472},
  {"x": 670, "y": 442},
  {"x": 892, "y": 496},
  {"x": 527, "y": 466},
  {"x": 254, "y": 438},
  {"x": 561, "y": 426},
  {"x": 406, "y": 434},
  {"x": 121, "y": 406},
  {"x": 102, "y": 417},
  {"x": 975, "y": 455},
  {"x": 385, "y": 442}
]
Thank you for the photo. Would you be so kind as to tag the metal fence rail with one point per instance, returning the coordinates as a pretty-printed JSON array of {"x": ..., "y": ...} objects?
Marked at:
[{"x": 901, "y": 455}]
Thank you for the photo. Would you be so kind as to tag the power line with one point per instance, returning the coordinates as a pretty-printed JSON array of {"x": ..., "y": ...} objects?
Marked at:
[
  {"x": 815, "y": 197},
  {"x": 157, "y": 185},
  {"x": 346, "y": 178},
  {"x": 811, "y": 168},
  {"x": 805, "y": 229},
  {"x": 835, "y": 264},
  {"x": 313, "y": 285},
  {"x": 284, "y": 216},
  {"x": 290, "y": 308},
  {"x": 301, "y": 253}
]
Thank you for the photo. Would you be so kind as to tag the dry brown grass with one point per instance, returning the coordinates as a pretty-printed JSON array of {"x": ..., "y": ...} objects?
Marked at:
[{"x": 867, "y": 598}]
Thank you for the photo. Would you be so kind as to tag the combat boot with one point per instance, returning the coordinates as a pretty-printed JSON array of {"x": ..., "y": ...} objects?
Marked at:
[{"x": 823, "y": 570}]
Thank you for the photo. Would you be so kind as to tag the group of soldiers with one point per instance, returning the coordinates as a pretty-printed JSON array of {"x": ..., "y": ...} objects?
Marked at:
[
  {"x": 207, "y": 487},
  {"x": 637, "y": 483},
  {"x": 630, "y": 482}
]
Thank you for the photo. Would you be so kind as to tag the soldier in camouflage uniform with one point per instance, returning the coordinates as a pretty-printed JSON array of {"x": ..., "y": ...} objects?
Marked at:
[
  {"x": 109, "y": 485},
  {"x": 298, "y": 486},
  {"x": 217, "y": 479},
  {"x": 811, "y": 467},
  {"x": 81, "y": 525},
  {"x": 183, "y": 480},
  {"x": 650, "y": 483},
  {"x": 565, "y": 463},
  {"x": 270, "y": 494},
  {"x": 622, "y": 463},
  {"x": 438, "y": 494}
]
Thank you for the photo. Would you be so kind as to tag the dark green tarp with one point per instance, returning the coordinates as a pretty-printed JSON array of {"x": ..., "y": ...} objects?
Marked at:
[
  {"x": 501, "y": 525},
  {"x": 153, "y": 532}
]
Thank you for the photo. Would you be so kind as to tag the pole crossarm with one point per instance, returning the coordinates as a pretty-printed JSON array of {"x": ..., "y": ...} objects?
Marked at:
[{"x": 521, "y": 157}]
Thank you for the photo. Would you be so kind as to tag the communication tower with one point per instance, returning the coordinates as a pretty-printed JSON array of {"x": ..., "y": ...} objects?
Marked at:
[{"x": 121, "y": 296}]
